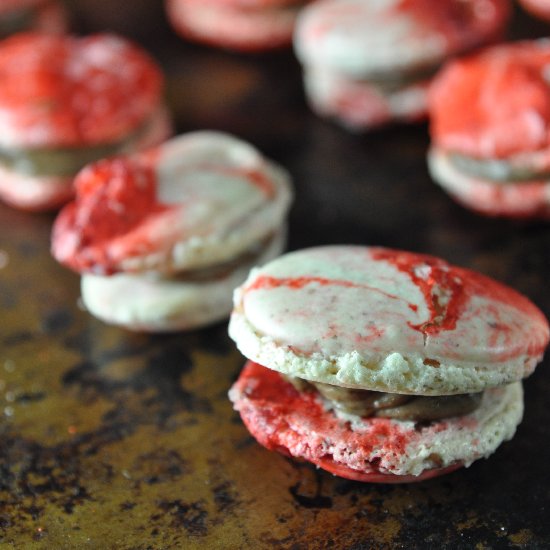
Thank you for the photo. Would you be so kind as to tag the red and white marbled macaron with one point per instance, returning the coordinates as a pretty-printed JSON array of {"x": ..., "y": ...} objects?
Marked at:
[
  {"x": 490, "y": 120},
  {"x": 539, "y": 8},
  {"x": 38, "y": 15},
  {"x": 67, "y": 101},
  {"x": 163, "y": 237},
  {"x": 242, "y": 25},
  {"x": 382, "y": 365},
  {"x": 369, "y": 63}
]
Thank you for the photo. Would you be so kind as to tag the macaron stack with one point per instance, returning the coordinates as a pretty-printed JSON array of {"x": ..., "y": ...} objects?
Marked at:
[
  {"x": 490, "y": 120},
  {"x": 243, "y": 25},
  {"x": 369, "y": 63},
  {"x": 67, "y": 101},
  {"x": 163, "y": 237},
  {"x": 38, "y": 15},
  {"x": 381, "y": 365}
]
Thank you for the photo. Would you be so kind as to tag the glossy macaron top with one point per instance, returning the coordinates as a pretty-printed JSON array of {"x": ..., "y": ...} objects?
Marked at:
[
  {"x": 386, "y": 320},
  {"x": 364, "y": 37},
  {"x": 64, "y": 91},
  {"x": 198, "y": 200},
  {"x": 495, "y": 104}
]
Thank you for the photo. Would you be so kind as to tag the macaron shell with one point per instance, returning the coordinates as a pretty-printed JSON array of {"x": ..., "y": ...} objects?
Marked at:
[
  {"x": 358, "y": 37},
  {"x": 526, "y": 199},
  {"x": 299, "y": 424},
  {"x": 197, "y": 200},
  {"x": 151, "y": 304},
  {"x": 62, "y": 91},
  {"x": 386, "y": 320},
  {"x": 236, "y": 28},
  {"x": 466, "y": 118},
  {"x": 358, "y": 105},
  {"x": 34, "y": 194},
  {"x": 39, "y": 193}
]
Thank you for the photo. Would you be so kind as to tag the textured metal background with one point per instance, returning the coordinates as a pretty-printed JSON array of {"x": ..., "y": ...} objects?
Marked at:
[{"x": 116, "y": 440}]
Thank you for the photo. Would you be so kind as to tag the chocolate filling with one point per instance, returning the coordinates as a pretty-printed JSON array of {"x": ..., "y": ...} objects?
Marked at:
[
  {"x": 222, "y": 270},
  {"x": 65, "y": 161},
  {"x": 368, "y": 403},
  {"x": 496, "y": 170}
]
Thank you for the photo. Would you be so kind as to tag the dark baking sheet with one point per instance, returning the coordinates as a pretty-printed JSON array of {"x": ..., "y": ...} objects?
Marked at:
[{"x": 118, "y": 440}]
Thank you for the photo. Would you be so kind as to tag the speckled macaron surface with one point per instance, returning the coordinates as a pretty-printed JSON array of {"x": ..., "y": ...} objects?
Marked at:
[
  {"x": 63, "y": 92},
  {"x": 386, "y": 320},
  {"x": 470, "y": 121},
  {"x": 382, "y": 450},
  {"x": 66, "y": 102},
  {"x": 198, "y": 200}
]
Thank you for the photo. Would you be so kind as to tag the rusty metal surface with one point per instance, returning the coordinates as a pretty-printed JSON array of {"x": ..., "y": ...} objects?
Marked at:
[{"x": 116, "y": 440}]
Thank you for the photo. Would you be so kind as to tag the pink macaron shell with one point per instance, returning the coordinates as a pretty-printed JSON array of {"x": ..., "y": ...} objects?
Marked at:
[
  {"x": 334, "y": 300},
  {"x": 466, "y": 118},
  {"x": 233, "y": 28},
  {"x": 358, "y": 37},
  {"x": 59, "y": 91},
  {"x": 35, "y": 193},
  {"x": 131, "y": 213},
  {"x": 297, "y": 424},
  {"x": 114, "y": 198},
  {"x": 522, "y": 200}
]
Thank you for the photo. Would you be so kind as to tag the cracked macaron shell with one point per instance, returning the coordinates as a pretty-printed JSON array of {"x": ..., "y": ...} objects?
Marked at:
[{"x": 386, "y": 320}]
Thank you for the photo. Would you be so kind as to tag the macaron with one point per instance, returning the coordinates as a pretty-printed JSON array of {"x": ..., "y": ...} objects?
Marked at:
[
  {"x": 241, "y": 25},
  {"x": 38, "y": 15},
  {"x": 382, "y": 365},
  {"x": 490, "y": 115},
  {"x": 368, "y": 63},
  {"x": 163, "y": 237},
  {"x": 68, "y": 101}
]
